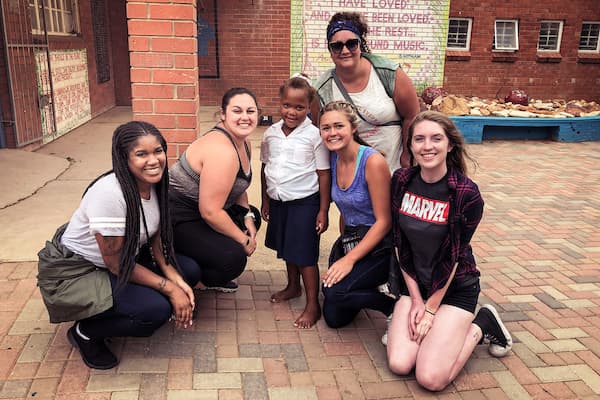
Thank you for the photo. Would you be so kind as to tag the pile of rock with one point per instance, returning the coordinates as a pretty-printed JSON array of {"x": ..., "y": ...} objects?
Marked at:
[{"x": 459, "y": 105}]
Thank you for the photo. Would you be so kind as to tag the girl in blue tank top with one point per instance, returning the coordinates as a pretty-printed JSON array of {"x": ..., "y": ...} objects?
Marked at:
[{"x": 361, "y": 191}]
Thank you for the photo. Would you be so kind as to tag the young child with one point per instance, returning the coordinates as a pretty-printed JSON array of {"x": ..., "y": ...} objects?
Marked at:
[{"x": 295, "y": 194}]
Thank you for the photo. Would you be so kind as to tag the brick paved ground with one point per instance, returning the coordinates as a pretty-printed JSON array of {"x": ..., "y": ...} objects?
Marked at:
[{"x": 539, "y": 252}]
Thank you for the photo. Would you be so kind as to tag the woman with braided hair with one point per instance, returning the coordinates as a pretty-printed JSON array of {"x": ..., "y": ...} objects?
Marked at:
[{"x": 112, "y": 267}]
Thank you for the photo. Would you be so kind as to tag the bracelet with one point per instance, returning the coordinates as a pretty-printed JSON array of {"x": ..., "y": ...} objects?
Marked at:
[
  {"x": 250, "y": 214},
  {"x": 428, "y": 311},
  {"x": 162, "y": 284}
]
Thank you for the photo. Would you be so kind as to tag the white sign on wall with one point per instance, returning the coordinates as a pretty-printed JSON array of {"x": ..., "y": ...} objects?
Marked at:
[{"x": 70, "y": 86}]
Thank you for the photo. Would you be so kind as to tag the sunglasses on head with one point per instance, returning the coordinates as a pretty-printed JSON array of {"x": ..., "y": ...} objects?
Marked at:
[{"x": 351, "y": 45}]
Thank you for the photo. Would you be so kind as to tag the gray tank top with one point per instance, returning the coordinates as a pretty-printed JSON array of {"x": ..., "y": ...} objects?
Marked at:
[{"x": 184, "y": 185}]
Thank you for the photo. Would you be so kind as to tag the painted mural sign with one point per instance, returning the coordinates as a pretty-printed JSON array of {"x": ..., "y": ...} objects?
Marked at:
[
  {"x": 412, "y": 32},
  {"x": 70, "y": 87}
]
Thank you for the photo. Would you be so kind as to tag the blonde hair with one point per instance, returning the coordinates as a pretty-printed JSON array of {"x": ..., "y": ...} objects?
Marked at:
[{"x": 350, "y": 112}]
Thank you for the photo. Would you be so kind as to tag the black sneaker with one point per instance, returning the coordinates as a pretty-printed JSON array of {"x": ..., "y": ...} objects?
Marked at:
[
  {"x": 494, "y": 331},
  {"x": 228, "y": 287},
  {"x": 94, "y": 352}
]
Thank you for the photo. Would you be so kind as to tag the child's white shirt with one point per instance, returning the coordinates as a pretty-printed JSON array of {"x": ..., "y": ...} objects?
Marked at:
[{"x": 291, "y": 161}]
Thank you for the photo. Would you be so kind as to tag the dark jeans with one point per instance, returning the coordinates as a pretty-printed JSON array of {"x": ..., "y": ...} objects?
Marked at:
[
  {"x": 358, "y": 290},
  {"x": 220, "y": 258},
  {"x": 137, "y": 310}
]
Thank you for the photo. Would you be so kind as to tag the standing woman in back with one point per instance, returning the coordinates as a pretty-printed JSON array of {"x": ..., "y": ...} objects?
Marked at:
[{"x": 384, "y": 96}]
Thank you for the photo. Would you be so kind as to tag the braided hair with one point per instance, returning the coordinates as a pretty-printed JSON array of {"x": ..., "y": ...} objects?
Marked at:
[{"x": 124, "y": 139}]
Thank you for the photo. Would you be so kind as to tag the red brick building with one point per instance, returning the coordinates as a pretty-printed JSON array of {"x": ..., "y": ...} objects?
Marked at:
[{"x": 165, "y": 58}]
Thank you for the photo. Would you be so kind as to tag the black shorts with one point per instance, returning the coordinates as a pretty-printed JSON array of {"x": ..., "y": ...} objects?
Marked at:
[{"x": 463, "y": 296}]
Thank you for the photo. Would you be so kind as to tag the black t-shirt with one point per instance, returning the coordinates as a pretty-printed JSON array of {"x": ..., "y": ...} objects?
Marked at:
[{"x": 423, "y": 217}]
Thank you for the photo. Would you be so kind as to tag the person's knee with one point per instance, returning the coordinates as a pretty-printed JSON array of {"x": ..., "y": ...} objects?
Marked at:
[
  {"x": 191, "y": 271},
  {"x": 335, "y": 295},
  {"x": 431, "y": 378},
  {"x": 331, "y": 319},
  {"x": 234, "y": 263},
  {"x": 331, "y": 308},
  {"x": 399, "y": 364},
  {"x": 156, "y": 313},
  {"x": 334, "y": 316}
]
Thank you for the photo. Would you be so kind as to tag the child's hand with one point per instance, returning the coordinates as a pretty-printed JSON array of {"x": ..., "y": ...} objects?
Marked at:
[
  {"x": 322, "y": 222},
  {"x": 264, "y": 211}
]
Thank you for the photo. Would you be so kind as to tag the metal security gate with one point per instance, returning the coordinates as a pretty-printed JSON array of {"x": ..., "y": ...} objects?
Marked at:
[{"x": 29, "y": 75}]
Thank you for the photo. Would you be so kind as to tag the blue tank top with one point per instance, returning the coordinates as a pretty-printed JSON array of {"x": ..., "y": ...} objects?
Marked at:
[{"x": 354, "y": 202}]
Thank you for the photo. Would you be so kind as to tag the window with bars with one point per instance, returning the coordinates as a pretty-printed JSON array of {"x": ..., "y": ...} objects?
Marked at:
[
  {"x": 60, "y": 16},
  {"x": 550, "y": 36},
  {"x": 459, "y": 33},
  {"x": 506, "y": 34},
  {"x": 588, "y": 41}
]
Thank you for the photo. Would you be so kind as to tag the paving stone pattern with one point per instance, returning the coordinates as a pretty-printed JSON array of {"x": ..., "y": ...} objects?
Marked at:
[{"x": 538, "y": 249}]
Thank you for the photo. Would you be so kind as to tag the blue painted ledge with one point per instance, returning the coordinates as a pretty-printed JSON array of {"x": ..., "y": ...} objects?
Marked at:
[{"x": 577, "y": 129}]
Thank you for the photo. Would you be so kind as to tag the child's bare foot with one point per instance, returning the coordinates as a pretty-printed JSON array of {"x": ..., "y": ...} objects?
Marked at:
[
  {"x": 309, "y": 317},
  {"x": 286, "y": 294}
]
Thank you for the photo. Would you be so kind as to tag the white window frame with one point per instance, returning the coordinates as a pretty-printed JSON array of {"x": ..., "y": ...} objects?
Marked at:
[
  {"x": 597, "y": 49},
  {"x": 457, "y": 35},
  {"x": 514, "y": 41},
  {"x": 546, "y": 36},
  {"x": 60, "y": 20}
]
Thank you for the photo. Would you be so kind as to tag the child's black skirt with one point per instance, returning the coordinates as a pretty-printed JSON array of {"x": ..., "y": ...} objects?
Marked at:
[{"x": 292, "y": 230}]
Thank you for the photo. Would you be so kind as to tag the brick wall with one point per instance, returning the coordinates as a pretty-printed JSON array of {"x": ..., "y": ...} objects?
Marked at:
[
  {"x": 164, "y": 68},
  {"x": 254, "y": 51},
  {"x": 487, "y": 75}
]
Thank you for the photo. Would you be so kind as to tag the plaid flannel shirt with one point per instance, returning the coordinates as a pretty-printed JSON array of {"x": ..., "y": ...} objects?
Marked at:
[{"x": 465, "y": 212}]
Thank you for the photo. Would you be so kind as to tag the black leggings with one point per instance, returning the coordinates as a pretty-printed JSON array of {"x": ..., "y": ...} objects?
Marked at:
[{"x": 220, "y": 258}]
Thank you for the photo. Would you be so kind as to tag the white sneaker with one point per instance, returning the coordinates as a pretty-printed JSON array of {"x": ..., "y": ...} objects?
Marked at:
[{"x": 384, "y": 337}]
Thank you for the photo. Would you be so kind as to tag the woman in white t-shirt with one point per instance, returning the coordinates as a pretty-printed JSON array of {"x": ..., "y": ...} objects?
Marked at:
[{"x": 112, "y": 268}]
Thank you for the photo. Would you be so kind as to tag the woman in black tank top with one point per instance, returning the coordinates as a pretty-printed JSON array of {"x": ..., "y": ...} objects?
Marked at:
[{"x": 213, "y": 223}]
